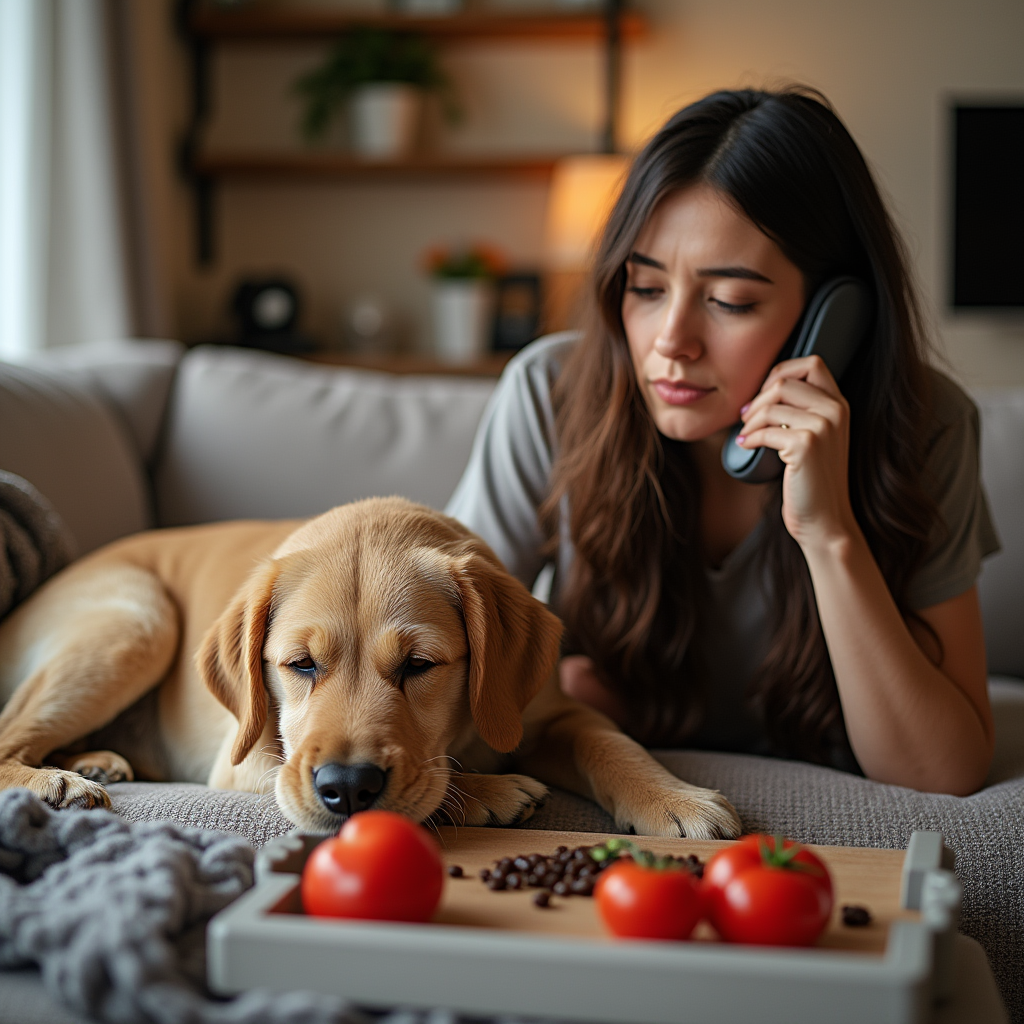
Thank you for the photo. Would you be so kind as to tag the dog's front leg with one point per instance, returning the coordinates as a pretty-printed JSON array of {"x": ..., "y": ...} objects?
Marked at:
[
  {"x": 490, "y": 800},
  {"x": 579, "y": 749}
]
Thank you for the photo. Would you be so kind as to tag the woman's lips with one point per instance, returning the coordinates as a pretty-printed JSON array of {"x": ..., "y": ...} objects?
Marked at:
[{"x": 679, "y": 392}]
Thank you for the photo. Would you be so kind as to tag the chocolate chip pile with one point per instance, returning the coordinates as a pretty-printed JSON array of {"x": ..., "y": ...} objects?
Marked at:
[{"x": 571, "y": 872}]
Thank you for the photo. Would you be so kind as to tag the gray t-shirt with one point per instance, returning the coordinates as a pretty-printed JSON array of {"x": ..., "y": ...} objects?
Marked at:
[{"x": 507, "y": 479}]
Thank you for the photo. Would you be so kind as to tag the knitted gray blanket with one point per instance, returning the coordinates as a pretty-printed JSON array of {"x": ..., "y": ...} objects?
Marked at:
[
  {"x": 114, "y": 916},
  {"x": 34, "y": 542}
]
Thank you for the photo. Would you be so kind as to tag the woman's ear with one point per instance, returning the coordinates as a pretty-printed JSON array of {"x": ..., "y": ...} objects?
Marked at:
[
  {"x": 230, "y": 658},
  {"x": 513, "y": 647}
]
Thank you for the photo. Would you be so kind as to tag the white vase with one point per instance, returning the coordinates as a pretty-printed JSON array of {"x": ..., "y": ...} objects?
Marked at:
[
  {"x": 463, "y": 314},
  {"x": 384, "y": 118}
]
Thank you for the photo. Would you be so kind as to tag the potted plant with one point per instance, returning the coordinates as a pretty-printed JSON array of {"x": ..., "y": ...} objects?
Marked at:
[
  {"x": 463, "y": 299},
  {"x": 382, "y": 76}
]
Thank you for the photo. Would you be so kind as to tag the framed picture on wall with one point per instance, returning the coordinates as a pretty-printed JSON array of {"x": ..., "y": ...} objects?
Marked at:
[
  {"x": 988, "y": 206},
  {"x": 516, "y": 311}
]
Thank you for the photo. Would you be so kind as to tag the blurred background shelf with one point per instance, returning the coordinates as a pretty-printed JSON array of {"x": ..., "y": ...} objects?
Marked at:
[
  {"x": 345, "y": 167},
  {"x": 273, "y": 24},
  {"x": 496, "y": 176}
]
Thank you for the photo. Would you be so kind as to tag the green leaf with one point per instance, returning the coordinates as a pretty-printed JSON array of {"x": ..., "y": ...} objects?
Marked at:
[{"x": 776, "y": 856}]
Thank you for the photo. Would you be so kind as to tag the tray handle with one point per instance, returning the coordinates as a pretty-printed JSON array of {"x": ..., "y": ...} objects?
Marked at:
[
  {"x": 929, "y": 885},
  {"x": 286, "y": 854},
  {"x": 941, "y": 894},
  {"x": 926, "y": 852}
]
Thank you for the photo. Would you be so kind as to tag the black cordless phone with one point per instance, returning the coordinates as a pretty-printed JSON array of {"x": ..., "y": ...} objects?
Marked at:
[{"x": 833, "y": 325}]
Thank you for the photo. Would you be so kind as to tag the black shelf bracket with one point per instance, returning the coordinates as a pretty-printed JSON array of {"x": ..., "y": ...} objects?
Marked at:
[
  {"x": 202, "y": 185},
  {"x": 612, "y": 74}
]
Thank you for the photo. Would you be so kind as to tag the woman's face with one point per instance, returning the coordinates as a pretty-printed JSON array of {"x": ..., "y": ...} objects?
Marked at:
[{"x": 710, "y": 301}]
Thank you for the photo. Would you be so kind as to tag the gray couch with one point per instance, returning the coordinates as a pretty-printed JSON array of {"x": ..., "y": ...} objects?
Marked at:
[{"x": 135, "y": 435}]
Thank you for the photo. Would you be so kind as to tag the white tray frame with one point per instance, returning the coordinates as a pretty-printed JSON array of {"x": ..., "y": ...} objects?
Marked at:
[{"x": 480, "y": 972}]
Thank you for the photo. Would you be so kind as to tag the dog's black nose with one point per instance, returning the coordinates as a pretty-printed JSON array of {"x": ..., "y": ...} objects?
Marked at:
[{"x": 347, "y": 788}]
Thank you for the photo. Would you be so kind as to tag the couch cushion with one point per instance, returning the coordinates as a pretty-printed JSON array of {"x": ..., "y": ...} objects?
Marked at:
[
  {"x": 253, "y": 435},
  {"x": 74, "y": 449},
  {"x": 133, "y": 377},
  {"x": 1001, "y": 587}
]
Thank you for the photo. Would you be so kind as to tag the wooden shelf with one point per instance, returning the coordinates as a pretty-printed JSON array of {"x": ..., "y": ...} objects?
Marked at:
[
  {"x": 276, "y": 23},
  {"x": 204, "y": 26},
  {"x": 489, "y": 365},
  {"x": 345, "y": 167}
]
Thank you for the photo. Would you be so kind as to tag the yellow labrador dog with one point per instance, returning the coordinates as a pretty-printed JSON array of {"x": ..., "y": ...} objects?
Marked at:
[{"x": 377, "y": 655}]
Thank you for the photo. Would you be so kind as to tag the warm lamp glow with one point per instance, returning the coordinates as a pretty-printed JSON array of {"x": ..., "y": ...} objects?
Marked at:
[{"x": 583, "y": 189}]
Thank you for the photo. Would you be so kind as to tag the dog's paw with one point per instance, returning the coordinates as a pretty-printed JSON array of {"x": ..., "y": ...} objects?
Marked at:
[
  {"x": 492, "y": 799},
  {"x": 61, "y": 789},
  {"x": 682, "y": 811},
  {"x": 102, "y": 767}
]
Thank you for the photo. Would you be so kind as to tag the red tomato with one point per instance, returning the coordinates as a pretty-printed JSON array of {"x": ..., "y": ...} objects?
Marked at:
[
  {"x": 380, "y": 866},
  {"x": 648, "y": 903},
  {"x": 768, "y": 893}
]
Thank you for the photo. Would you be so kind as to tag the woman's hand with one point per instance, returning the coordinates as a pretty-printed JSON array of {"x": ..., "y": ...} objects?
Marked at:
[{"x": 801, "y": 413}]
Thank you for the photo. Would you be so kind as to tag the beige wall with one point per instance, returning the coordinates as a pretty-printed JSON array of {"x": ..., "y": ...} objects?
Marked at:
[{"x": 889, "y": 66}]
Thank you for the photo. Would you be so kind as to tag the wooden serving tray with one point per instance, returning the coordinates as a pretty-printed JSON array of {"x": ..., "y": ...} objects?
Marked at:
[
  {"x": 867, "y": 877},
  {"x": 498, "y": 953}
]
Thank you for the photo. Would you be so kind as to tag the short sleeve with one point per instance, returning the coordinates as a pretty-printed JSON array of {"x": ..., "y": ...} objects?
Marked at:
[
  {"x": 964, "y": 533},
  {"x": 508, "y": 473}
]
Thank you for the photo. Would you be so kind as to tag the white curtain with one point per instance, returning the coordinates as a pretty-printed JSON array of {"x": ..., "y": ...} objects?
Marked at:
[
  {"x": 64, "y": 219},
  {"x": 25, "y": 29}
]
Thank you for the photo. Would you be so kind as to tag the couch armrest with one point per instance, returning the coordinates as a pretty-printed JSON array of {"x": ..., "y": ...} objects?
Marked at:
[
  {"x": 1001, "y": 587},
  {"x": 75, "y": 449},
  {"x": 132, "y": 377}
]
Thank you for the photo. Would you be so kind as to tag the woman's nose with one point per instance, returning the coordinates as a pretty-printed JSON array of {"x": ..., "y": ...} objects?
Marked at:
[{"x": 680, "y": 335}]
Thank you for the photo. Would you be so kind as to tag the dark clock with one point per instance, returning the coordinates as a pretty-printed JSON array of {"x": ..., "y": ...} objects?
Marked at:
[{"x": 267, "y": 311}]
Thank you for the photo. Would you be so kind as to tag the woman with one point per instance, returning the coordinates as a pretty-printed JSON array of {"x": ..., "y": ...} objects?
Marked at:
[{"x": 831, "y": 616}]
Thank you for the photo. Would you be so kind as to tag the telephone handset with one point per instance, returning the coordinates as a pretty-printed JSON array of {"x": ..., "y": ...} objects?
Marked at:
[{"x": 833, "y": 325}]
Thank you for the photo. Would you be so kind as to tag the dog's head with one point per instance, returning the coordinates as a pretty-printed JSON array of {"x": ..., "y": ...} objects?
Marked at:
[{"x": 376, "y": 635}]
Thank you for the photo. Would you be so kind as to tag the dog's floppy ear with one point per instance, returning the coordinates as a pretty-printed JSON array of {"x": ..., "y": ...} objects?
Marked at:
[
  {"x": 230, "y": 658},
  {"x": 513, "y": 647}
]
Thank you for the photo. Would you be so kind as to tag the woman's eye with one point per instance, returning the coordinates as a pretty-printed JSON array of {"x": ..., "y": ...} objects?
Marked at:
[
  {"x": 731, "y": 307},
  {"x": 643, "y": 293},
  {"x": 306, "y": 665}
]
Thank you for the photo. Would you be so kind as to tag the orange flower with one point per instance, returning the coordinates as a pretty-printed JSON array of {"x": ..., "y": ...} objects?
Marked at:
[{"x": 477, "y": 260}]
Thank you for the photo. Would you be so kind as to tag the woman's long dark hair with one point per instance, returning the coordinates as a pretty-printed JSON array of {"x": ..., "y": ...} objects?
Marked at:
[{"x": 634, "y": 594}]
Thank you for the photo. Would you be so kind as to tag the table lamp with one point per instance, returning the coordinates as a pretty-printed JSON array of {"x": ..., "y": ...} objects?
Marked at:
[{"x": 583, "y": 190}]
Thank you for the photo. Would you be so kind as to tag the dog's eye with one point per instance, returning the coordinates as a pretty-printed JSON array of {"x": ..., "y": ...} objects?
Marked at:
[
  {"x": 414, "y": 665},
  {"x": 306, "y": 665}
]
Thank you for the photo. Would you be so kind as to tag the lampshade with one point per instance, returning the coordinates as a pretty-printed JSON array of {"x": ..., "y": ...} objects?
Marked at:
[{"x": 583, "y": 189}]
